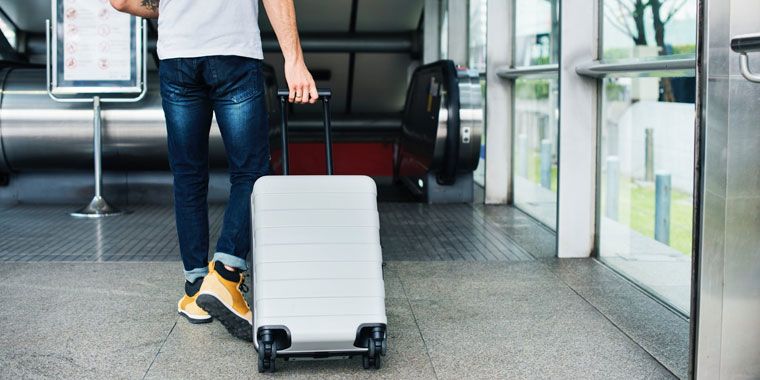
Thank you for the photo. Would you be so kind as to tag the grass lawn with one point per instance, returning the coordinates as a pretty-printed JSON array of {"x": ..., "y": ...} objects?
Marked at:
[
  {"x": 636, "y": 210},
  {"x": 636, "y": 206},
  {"x": 534, "y": 171}
]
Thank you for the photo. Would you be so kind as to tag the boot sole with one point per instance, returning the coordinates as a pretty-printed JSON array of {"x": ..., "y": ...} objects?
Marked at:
[
  {"x": 196, "y": 321},
  {"x": 238, "y": 327}
]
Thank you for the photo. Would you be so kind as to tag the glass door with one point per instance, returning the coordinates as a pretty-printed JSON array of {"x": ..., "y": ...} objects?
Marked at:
[{"x": 646, "y": 147}]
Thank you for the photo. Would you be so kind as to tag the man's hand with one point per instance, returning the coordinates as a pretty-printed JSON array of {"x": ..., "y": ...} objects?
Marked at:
[
  {"x": 300, "y": 83},
  {"x": 282, "y": 16}
]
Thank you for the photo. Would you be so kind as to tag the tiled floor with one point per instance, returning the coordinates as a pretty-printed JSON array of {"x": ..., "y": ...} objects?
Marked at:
[{"x": 477, "y": 299}]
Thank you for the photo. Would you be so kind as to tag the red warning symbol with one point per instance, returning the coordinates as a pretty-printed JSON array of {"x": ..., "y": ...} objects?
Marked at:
[{"x": 71, "y": 13}]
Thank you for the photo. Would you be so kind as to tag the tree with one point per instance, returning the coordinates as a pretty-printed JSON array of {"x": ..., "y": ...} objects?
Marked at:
[
  {"x": 621, "y": 13},
  {"x": 628, "y": 16},
  {"x": 659, "y": 21}
]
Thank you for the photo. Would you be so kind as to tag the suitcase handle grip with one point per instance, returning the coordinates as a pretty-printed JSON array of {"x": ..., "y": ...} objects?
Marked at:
[
  {"x": 324, "y": 96},
  {"x": 321, "y": 92}
]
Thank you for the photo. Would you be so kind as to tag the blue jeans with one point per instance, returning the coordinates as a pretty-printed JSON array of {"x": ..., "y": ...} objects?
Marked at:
[{"x": 192, "y": 90}]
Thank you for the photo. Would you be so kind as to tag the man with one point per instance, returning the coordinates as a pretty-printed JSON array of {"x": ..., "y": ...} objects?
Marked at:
[{"x": 211, "y": 54}]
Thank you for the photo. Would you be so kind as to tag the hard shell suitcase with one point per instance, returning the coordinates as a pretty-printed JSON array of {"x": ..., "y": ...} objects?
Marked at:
[{"x": 317, "y": 263}]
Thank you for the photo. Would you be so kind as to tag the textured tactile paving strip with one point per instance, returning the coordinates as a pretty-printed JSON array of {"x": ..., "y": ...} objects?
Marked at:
[
  {"x": 459, "y": 232},
  {"x": 48, "y": 233},
  {"x": 409, "y": 231}
]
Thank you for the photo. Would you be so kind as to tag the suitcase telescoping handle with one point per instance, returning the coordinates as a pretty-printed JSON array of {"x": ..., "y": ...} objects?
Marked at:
[{"x": 324, "y": 96}]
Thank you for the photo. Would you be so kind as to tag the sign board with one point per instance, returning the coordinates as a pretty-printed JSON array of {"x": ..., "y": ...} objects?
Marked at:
[{"x": 95, "y": 49}]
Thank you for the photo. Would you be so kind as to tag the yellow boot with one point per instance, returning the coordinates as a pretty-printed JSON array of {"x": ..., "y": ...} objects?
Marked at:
[
  {"x": 187, "y": 307},
  {"x": 223, "y": 299}
]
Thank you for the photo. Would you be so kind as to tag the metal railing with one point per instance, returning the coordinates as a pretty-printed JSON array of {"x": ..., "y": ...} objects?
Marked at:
[
  {"x": 671, "y": 67},
  {"x": 538, "y": 71}
]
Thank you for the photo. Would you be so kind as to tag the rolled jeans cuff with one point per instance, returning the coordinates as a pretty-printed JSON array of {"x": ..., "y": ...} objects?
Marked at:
[
  {"x": 231, "y": 261},
  {"x": 194, "y": 274}
]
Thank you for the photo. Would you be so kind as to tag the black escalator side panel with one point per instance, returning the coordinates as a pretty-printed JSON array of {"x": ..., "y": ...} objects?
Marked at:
[
  {"x": 448, "y": 174},
  {"x": 421, "y": 151},
  {"x": 420, "y": 119}
]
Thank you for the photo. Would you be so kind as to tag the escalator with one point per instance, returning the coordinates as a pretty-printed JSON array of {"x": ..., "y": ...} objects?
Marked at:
[{"x": 432, "y": 149}]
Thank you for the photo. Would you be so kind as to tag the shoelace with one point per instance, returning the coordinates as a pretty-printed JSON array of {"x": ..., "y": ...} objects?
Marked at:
[{"x": 243, "y": 287}]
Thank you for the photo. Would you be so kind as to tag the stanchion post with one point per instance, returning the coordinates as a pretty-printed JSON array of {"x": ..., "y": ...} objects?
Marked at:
[
  {"x": 662, "y": 208},
  {"x": 98, "y": 206},
  {"x": 546, "y": 164}
]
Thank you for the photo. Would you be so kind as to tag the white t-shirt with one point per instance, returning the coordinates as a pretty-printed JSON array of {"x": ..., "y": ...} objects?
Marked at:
[{"x": 193, "y": 28}]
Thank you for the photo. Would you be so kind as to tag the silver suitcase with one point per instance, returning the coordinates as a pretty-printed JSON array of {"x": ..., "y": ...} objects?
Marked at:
[{"x": 317, "y": 264}]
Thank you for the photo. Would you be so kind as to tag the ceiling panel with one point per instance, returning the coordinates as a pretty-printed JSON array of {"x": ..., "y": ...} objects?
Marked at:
[
  {"x": 380, "y": 82},
  {"x": 317, "y": 16},
  {"x": 29, "y": 15},
  {"x": 388, "y": 15}
]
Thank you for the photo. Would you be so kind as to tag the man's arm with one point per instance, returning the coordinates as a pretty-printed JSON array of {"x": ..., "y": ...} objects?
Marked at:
[
  {"x": 140, "y": 8},
  {"x": 282, "y": 15}
]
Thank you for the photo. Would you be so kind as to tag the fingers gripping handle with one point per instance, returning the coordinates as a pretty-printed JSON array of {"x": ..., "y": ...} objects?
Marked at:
[{"x": 324, "y": 95}]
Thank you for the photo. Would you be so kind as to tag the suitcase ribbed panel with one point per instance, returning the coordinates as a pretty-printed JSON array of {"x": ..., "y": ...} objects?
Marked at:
[
  {"x": 317, "y": 235},
  {"x": 317, "y": 259},
  {"x": 318, "y": 270},
  {"x": 329, "y": 253},
  {"x": 322, "y": 288},
  {"x": 329, "y": 201},
  {"x": 316, "y": 218},
  {"x": 320, "y": 307}
]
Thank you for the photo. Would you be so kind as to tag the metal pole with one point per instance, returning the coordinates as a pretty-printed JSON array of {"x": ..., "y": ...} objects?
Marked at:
[
  {"x": 546, "y": 163},
  {"x": 98, "y": 206},
  {"x": 284, "y": 133},
  {"x": 613, "y": 187},
  {"x": 328, "y": 135},
  {"x": 662, "y": 208},
  {"x": 97, "y": 146},
  {"x": 649, "y": 154}
]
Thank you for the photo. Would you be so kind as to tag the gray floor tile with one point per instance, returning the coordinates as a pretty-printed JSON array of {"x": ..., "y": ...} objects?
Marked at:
[
  {"x": 4, "y": 272},
  {"x": 585, "y": 346},
  {"x": 393, "y": 287},
  {"x": 584, "y": 272},
  {"x": 54, "y": 331},
  {"x": 156, "y": 280},
  {"x": 517, "y": 272},
  {"x": 658, "y": 330}
]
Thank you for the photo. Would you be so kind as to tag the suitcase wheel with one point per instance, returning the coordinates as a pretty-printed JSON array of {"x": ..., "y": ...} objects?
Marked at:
[
  {"x": 375, "y": 350},
  {"x": 267, "y": 354}
]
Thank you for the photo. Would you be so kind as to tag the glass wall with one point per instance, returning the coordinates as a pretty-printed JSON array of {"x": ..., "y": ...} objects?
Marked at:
[
  {"x": 476, "y": 45},
  {"x": 646, "y": 161},
  {"x": 477, "y": 28},
  {"x": 536, "y": 32},
  {"x": 536, "y": 110}
]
